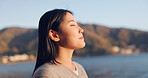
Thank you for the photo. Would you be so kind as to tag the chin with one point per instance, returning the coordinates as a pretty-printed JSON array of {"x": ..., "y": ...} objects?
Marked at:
[
  {"x": 79, "y": 45},
  {"x": 82, "y": 45}
]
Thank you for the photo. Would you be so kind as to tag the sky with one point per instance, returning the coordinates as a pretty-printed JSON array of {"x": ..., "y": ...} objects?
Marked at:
[{"x": 131, "y": 14}]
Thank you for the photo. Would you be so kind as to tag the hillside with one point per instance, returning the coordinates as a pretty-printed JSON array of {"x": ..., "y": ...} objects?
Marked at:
[
  {"x": 100, "y": 40},
  {"x": 18, "y": 41}
]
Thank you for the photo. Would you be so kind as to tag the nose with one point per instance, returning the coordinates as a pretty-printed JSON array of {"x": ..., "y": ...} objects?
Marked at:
[{"x": 81, "y": 30}]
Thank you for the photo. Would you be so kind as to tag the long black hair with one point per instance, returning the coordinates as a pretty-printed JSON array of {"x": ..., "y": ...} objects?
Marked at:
[{"x": 47, "y": 51}]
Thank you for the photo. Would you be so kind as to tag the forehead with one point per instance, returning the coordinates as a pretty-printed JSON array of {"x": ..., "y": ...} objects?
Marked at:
[{"x": 68, "y": 17}]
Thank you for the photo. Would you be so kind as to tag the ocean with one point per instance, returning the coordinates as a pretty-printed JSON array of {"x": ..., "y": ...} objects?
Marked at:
[{"x": 123, "y": 66}]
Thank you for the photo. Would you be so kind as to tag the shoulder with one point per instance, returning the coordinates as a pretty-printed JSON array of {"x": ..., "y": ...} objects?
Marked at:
[
  {"x": 78, "y": 64},
  {"x": 45, "y": 71},
  {"x": 46, "y": 67}
]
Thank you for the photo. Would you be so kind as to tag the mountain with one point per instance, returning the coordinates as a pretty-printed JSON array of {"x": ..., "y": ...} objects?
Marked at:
[
  {"x": 18, "y": 40},
  {"x": 99, "y": 40}
]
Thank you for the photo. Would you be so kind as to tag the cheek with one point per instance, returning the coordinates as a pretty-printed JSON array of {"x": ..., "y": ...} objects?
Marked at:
[
  {"x": 72, "y": 42},
  {"x": 69, "y": 33},
  {"x": 70, "y": 38},
  {"x": 67, "y": 39}
]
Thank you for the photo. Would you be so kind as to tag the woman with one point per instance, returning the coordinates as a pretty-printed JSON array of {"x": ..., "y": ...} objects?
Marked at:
[{"x": 59, "y": 36}]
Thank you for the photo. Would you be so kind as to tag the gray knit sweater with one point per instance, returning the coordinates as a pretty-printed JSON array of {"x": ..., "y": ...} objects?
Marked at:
[{"x": 58, "y": 71}]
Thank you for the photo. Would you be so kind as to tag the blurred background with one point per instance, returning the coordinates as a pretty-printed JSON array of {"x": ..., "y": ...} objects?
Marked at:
[{"x": 116, "y": 36}]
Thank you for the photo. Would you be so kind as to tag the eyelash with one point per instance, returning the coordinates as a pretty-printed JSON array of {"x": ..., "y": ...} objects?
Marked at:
[{"x": 72, "y": 25}]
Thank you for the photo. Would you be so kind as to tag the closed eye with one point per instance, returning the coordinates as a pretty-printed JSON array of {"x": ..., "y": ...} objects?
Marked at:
[{"x": 72, "y": 25}]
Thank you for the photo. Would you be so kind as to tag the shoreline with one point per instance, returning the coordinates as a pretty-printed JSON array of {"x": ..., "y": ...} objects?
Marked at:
[
  {"x": 27, "y": 61},
  {"x": 10, "y": 63},
  {"x": 74, "y": 57}
]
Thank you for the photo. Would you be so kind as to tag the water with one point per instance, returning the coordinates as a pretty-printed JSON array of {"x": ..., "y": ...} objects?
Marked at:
[
  {"x": 20, "y": 70},
  {"x": 131, "y": 66},
  {"x": 135, "y": 66}
]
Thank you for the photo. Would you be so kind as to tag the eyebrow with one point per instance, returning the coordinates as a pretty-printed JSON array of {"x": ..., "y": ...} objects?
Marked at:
[{"x": 71, "y": 21}]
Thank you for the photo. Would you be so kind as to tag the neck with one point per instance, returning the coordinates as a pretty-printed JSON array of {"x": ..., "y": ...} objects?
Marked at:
[{"x": 65, "y": 57}]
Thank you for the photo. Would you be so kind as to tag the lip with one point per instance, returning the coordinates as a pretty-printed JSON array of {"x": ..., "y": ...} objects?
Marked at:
[{"x": 81, "y": 37}]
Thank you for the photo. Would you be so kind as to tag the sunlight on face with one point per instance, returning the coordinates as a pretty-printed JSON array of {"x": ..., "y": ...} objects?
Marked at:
[{"x": 71, "y": 34}]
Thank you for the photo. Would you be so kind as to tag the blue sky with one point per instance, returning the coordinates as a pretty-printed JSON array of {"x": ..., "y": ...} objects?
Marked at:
[{"x": 131, "y": 14}]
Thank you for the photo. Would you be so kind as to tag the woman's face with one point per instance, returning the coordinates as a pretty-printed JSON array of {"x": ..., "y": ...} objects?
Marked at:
[{"x": 71, "y": 34}]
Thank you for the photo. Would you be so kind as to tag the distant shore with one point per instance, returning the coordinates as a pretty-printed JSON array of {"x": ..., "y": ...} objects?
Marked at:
[{"x": 9, "y": 63}]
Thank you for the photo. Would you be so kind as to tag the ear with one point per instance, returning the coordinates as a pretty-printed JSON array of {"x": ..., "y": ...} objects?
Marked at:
[{"x": 54, "y": 35}]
